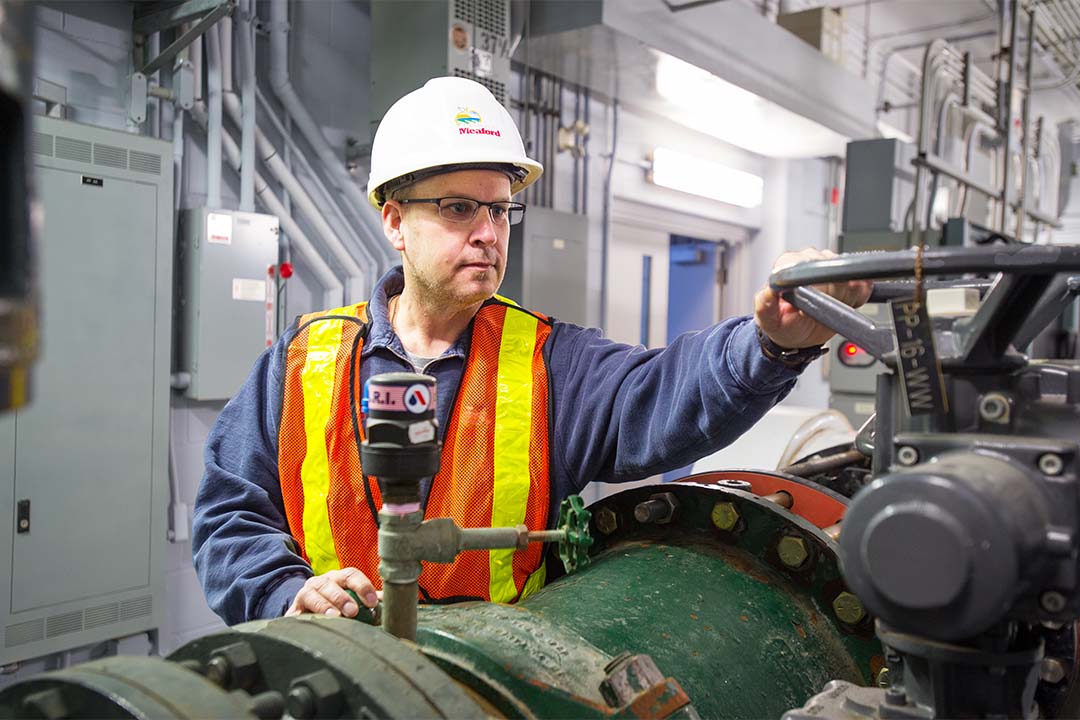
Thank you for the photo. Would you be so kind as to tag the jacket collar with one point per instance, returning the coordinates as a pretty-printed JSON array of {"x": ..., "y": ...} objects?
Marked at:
[{"x": 381, "y": 333}]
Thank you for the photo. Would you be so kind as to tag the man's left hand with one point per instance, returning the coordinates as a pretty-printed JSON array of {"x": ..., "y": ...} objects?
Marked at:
[{"x": 789, "y": 327}]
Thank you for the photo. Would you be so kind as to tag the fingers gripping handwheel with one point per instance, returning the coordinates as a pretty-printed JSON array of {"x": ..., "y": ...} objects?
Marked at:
[{"x": 1024, "y": 275}]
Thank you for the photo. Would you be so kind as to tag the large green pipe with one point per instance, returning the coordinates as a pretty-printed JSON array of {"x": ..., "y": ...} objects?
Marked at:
[
  {"x": 715, "y": 603},
  {"x": 745, "y": 624}
]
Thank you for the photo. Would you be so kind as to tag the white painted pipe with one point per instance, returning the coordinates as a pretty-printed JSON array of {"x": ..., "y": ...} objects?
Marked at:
[
  {"x": 246, "y": 48},
  {"x": 213, "y": 129},
  {"x": 299, "y": 241},
  {"x": 154, "y": 48},
  {"x": 301, "y": 200},
  {"x": 178, "y": 157},
  {"x": 196, "y": 69},
  {"x": 323, "y": 198},
  {"x": 226, "y": 25},
  {"x": 279, "y": 81}
]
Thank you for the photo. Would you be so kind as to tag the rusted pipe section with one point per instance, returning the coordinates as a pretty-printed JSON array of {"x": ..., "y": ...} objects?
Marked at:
[{"x": 781, "y": 498}]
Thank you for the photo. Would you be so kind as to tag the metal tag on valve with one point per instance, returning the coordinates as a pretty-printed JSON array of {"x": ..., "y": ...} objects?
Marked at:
[{"x": 921, "y": 380}]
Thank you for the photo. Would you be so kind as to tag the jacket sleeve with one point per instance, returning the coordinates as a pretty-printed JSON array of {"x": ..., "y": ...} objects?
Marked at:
[
  {"x": 240, "y": 536},
  {"x": 624, "y": 413}
]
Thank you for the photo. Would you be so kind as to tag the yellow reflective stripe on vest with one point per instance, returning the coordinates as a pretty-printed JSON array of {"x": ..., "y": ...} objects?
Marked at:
[
  {"x": 535, "y": 581},
  {"x": 513, "y": 429},
  {"x": 317, "y": 379}
]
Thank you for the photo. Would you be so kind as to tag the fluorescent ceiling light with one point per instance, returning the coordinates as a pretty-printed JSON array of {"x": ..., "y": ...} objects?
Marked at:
[
  {"x": 693, "y": 175},
  {"x": 702, "y": 101}
]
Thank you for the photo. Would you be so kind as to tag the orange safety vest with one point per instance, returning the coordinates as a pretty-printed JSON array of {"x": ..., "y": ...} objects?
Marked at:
[{"x": 495, "y": 455}]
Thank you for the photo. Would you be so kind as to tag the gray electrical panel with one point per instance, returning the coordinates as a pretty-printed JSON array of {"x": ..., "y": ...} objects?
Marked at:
[
  {"x": 547, "y": 264},
  {"x": 83, "y": 468},
  {"x": 413, "y": 41},
  {"x": 226, "y": 297}
]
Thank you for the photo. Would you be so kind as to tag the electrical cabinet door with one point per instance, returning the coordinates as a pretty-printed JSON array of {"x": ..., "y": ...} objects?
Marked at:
[{"x": 89, "y": 535}]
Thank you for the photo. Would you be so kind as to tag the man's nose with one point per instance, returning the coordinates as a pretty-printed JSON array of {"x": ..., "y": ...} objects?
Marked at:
[{"x": 484, "y": 231}]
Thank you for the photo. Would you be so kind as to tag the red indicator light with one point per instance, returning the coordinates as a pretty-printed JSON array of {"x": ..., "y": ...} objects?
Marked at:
[{"x": 854, "y": 356}]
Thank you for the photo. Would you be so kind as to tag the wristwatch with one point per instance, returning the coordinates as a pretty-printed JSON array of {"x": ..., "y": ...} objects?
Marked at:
[{"x": 791, "y": 357}]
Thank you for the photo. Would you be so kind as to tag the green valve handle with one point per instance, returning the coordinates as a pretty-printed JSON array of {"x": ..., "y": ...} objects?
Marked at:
[
  {"x": 368, "y": 616},
  {"x": 574, "y": 521}
]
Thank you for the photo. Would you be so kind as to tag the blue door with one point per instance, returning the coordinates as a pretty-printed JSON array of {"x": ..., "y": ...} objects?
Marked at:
[{"x": 693, "y": 291}]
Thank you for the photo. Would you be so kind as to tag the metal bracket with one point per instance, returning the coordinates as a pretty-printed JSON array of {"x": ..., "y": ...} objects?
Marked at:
[
  {"x": 220, "y": 10},
  {"x": 182, "y": 93},
  {"x": 158, "y": 18}
]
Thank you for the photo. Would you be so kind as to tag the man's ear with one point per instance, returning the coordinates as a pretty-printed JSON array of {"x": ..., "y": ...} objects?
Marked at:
[{"x": 391, "y": 221}]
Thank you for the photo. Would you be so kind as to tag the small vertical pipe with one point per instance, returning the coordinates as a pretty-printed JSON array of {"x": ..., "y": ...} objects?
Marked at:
[
  {"x": 214, "y": 121},
  {"x": 646, "y": 297},
  {"x": 246, "y": 49},
  {"x": 1007, "y": 131},
  {"x": 153, "y": 49},
  {"x": 585, "y": 158},
  {"x": 1026, "y": 126},
  {"x": 576, "y": 204},
  {"x": 399, "y": 609}
]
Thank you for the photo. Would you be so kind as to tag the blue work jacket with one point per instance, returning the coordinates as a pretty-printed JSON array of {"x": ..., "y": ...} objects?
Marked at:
[{"x": 620, "y": 413}]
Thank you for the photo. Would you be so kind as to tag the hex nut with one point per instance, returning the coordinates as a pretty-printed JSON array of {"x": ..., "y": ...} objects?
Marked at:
[
  {"x": 233, "y": 666},
  {"x": 907, "y": 455},
  {"x": 994, "y": 407},
  {"x": 725, "y": 516},
  {"x": 792, "y": 551},
  {"x": 848, "y": 608},
  {"x": 606, "y": 520},
  {"x": 317, "y": 694},
  {"x": 1051, "y": 464}
]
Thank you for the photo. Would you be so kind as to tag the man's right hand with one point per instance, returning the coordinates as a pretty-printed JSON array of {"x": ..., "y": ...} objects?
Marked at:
[{"x": 325, "y": 594}]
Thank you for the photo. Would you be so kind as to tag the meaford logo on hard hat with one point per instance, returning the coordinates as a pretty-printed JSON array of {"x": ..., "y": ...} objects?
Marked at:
[{"x": 468, "y": 123}]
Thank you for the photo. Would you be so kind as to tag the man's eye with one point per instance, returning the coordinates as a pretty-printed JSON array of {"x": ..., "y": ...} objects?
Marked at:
[
  {"x": 498, "y": 212},
  {"x": 458, "y": 208}
]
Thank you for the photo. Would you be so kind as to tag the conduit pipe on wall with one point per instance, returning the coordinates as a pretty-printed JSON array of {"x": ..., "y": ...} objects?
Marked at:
[
  {"x": 214, "y": 129},
  {"x": 246, "y": 47},
  {"x": 269, "y": 156},
  {"x": 312, "y": 260},
  {"x": 279, "y": 81},
  {"x": 321, "y": 195}
]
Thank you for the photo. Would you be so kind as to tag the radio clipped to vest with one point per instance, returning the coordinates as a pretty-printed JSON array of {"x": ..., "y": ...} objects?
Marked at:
[{"x": 401, "y": 448}]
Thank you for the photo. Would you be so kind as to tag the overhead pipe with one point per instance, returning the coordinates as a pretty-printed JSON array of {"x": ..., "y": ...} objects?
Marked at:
[
  {"x": 335, "y": 168},
  {"x": 214, "y": 129},
  {"x": 246, "y": 48},
  {"x": 322, "y": 196},
  {"x": 325, "y": 276},
  {"x": 272, "y": 160}
]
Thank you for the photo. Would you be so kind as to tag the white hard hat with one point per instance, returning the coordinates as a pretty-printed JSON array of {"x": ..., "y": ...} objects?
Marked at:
[{"x": 450, "y": 123}]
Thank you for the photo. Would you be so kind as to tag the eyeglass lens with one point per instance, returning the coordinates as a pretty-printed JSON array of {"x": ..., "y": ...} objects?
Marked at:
[{"x": 464, "y": 210}]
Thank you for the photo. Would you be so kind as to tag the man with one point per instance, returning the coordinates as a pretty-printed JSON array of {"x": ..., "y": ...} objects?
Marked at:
[{"x": 530, "y": 410}]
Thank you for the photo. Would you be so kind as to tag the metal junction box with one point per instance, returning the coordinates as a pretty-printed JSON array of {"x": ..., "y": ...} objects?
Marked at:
[
  {"x": 879, "y": 185},
  {"x": 547, "y": 264},
  {"x": 226, "y": 297},
  {"x": 83, "y": 468}
]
